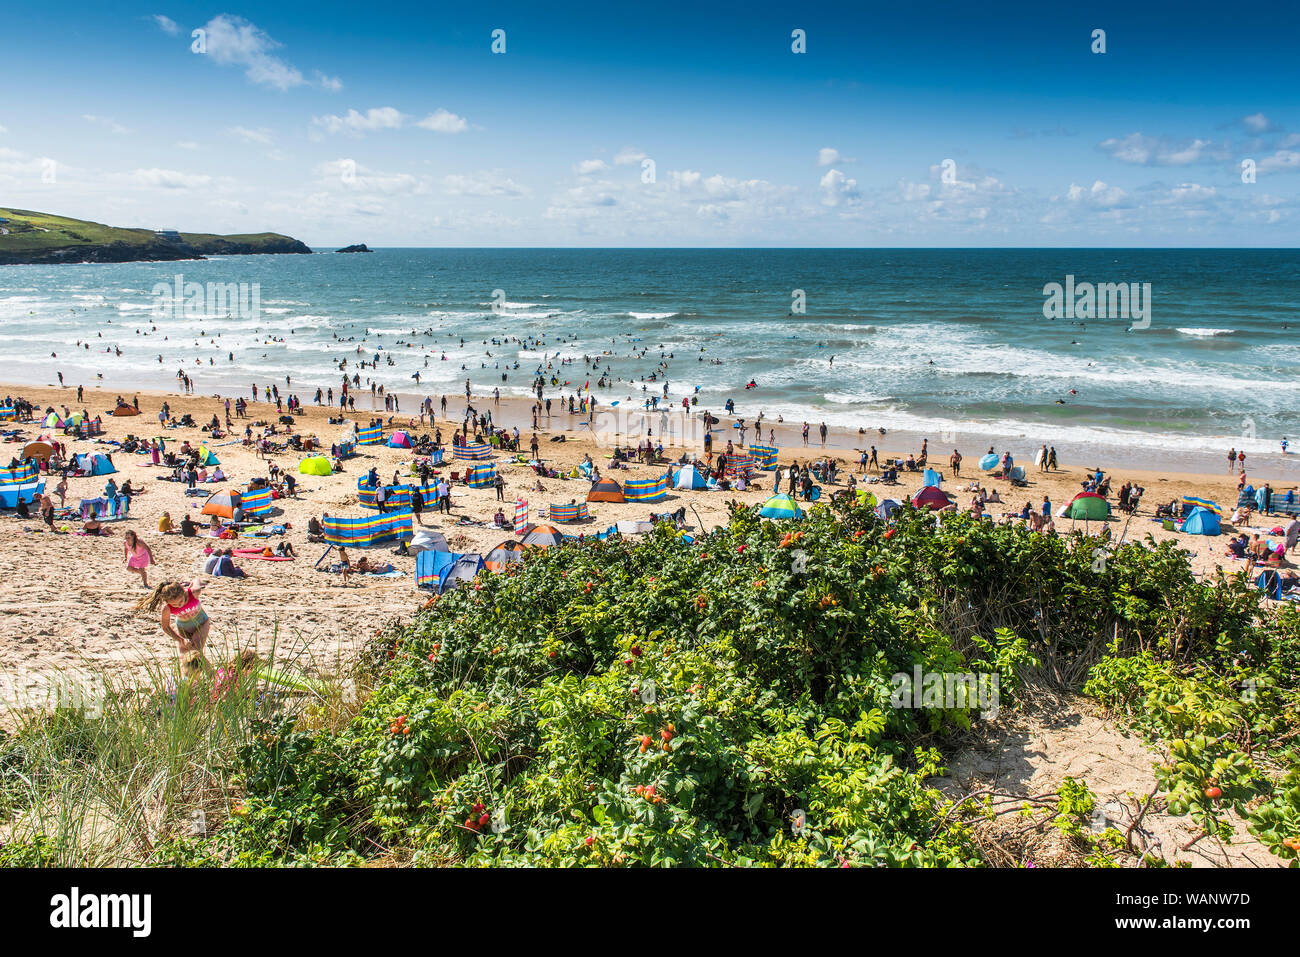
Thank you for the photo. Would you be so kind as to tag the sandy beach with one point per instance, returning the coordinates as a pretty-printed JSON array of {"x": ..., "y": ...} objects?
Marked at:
[{"x": 66, "y": 599}]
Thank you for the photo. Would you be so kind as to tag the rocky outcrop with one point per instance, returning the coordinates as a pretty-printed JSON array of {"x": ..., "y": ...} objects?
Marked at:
[{"x": 358, "y": 248}]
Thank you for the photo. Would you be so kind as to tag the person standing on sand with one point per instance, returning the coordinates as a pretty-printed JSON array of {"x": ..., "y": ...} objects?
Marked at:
[
  {"x": 1051, "y": 459},
  {"x": 823, "y": 430},
  {"x": 1241, "y": 461},
  {"x": 138, "y": 556},
  {"x": 955, "y": 461},
  {"x": 183, "y": 618},
  {"x": 1232, "y": 459},
  {"x": 805, "y": 434}
]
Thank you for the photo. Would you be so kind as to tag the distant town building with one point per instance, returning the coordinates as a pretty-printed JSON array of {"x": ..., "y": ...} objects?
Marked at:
[{"x": 168, "y": 235}]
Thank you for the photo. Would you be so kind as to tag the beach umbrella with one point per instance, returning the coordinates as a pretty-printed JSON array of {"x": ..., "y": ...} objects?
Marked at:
[
  {"x": 1088, "y": 506},
  {"x": 989, "y": 462},
  {"x": 316, "y": 465},
  {"x": 1197, "y": 502},
  {"x": 1201, "y": 521},
  {"x": 606, "y": 490},
  {"x": 543, "y": 536},
  {"x": 38, "y": 450},
  {"x": 931, "y": 477},
  {"x": 780, "y": 506},
  {"x": 930, "y": 497},
  {"x": 223, "y": 502}
]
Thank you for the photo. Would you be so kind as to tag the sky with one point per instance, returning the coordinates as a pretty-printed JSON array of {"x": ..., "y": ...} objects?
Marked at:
[{"x": 661, "y": 124}]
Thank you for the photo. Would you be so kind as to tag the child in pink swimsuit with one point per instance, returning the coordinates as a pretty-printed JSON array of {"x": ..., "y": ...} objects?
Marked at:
[
  {"x": 138, "y": 556},
  {"x": 183, "y": 617}
]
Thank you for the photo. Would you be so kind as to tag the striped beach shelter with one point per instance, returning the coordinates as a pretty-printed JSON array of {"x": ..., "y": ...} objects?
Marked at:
[
  {"x": 521, "y": 516},
  {"x": 569, "y": 513},
  {"x": 371, "y": 435},
  {"x": 365, "y": 531},
  {"x": 765, "y": 455},
  {"x": 474, "y": 452},
  {"x": 22, "y": 474},
  {"x": 8, "y": 413},
  {"x": 1191, "y": 502},
  {"x": 739, "y": 463},
  {"x": 482, "y": 476},
  {"x": 257, "y": 501},
  {"x": 644, "y": 490}
]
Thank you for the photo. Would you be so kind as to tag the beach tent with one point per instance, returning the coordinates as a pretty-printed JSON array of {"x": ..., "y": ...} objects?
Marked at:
[
  {"x": 1201, "y": 521},
  {"x": 1192, "y": 502},
  {"x": 569, "y": 513},
  {"x": 1089, "y": 506},
  {"x": 399, "y": 440},
  {"x": 991, "y": 461},
  {"x": 206, "y": 457},
  {"x": 780, "y": 506},
  {"x": 439, "y": 571},
  {"x": 224, "y": 502},
  {"x": 930, "y": 497},
  {"x": 37, "y": 450},
  {"x": 606, "y": 490},
  {"x": 474, "y": 451},
  {"x": 888, "y": 507},
  {"x": 370, "y": 436},
  {"x": 931, "y": 477},
  {"x": 52, "y": 421},
  {"x": 505, "y": 553},
  {"x": 94, "y": 464},
  {"x": 366, "y": 531},
  {"x": 765, "y": 455},
  {"x": 76, "y": 418},
  {"x": 543, "y": 536},
  {"x": 646, "y": 490},
  {"x": 316, "y": 465},
  {"x": 256, "y": 501},
  {"x": 482, "y": 476},
  {"x": 125, "y": 409},
  {"x": 428, "y": 540},
  {"x": 688, "y": 476}
]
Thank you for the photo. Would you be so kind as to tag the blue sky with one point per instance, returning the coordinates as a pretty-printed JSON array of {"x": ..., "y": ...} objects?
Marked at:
[{"x": 396, "y": 124}]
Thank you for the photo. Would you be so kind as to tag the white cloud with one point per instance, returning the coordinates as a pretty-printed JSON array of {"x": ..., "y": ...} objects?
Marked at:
[
  {"x": 4, "y": 129},
  {"x": 484, "y": 183},
  {"x": 1143, "y": 150},
  {"x": 331, "y": 83},
  {"x": 166, "y": 24},
  {"x": 170, "y": 179},
  {"x": 261, "y": 135},
  {"x": 1283, "y": 161},
  {"x": 187, "y": 145},
  {"x": 444, "y": 121},
  {"x": 234, "y": 41},
  {"x": 1257, "y": 123},
  {"x": 350, "y": 176},
  {"x": 1098, "y": 195},
  {"x": 838, "y": 189},
  {"x": 587, "y": 167},
  {"x": 628, "y": 155},
  {"x": 354, "y": 123},
  {"x": 829, "y": 156},
  {"x": 105, "y": 121}
]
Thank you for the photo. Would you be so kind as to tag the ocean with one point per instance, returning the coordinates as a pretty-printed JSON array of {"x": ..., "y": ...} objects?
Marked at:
[{"x": 949, "y": 343}]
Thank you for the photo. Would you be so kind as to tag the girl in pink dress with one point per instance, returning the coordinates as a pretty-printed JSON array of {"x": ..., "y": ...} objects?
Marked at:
[{"x": 138, "y": 557}]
